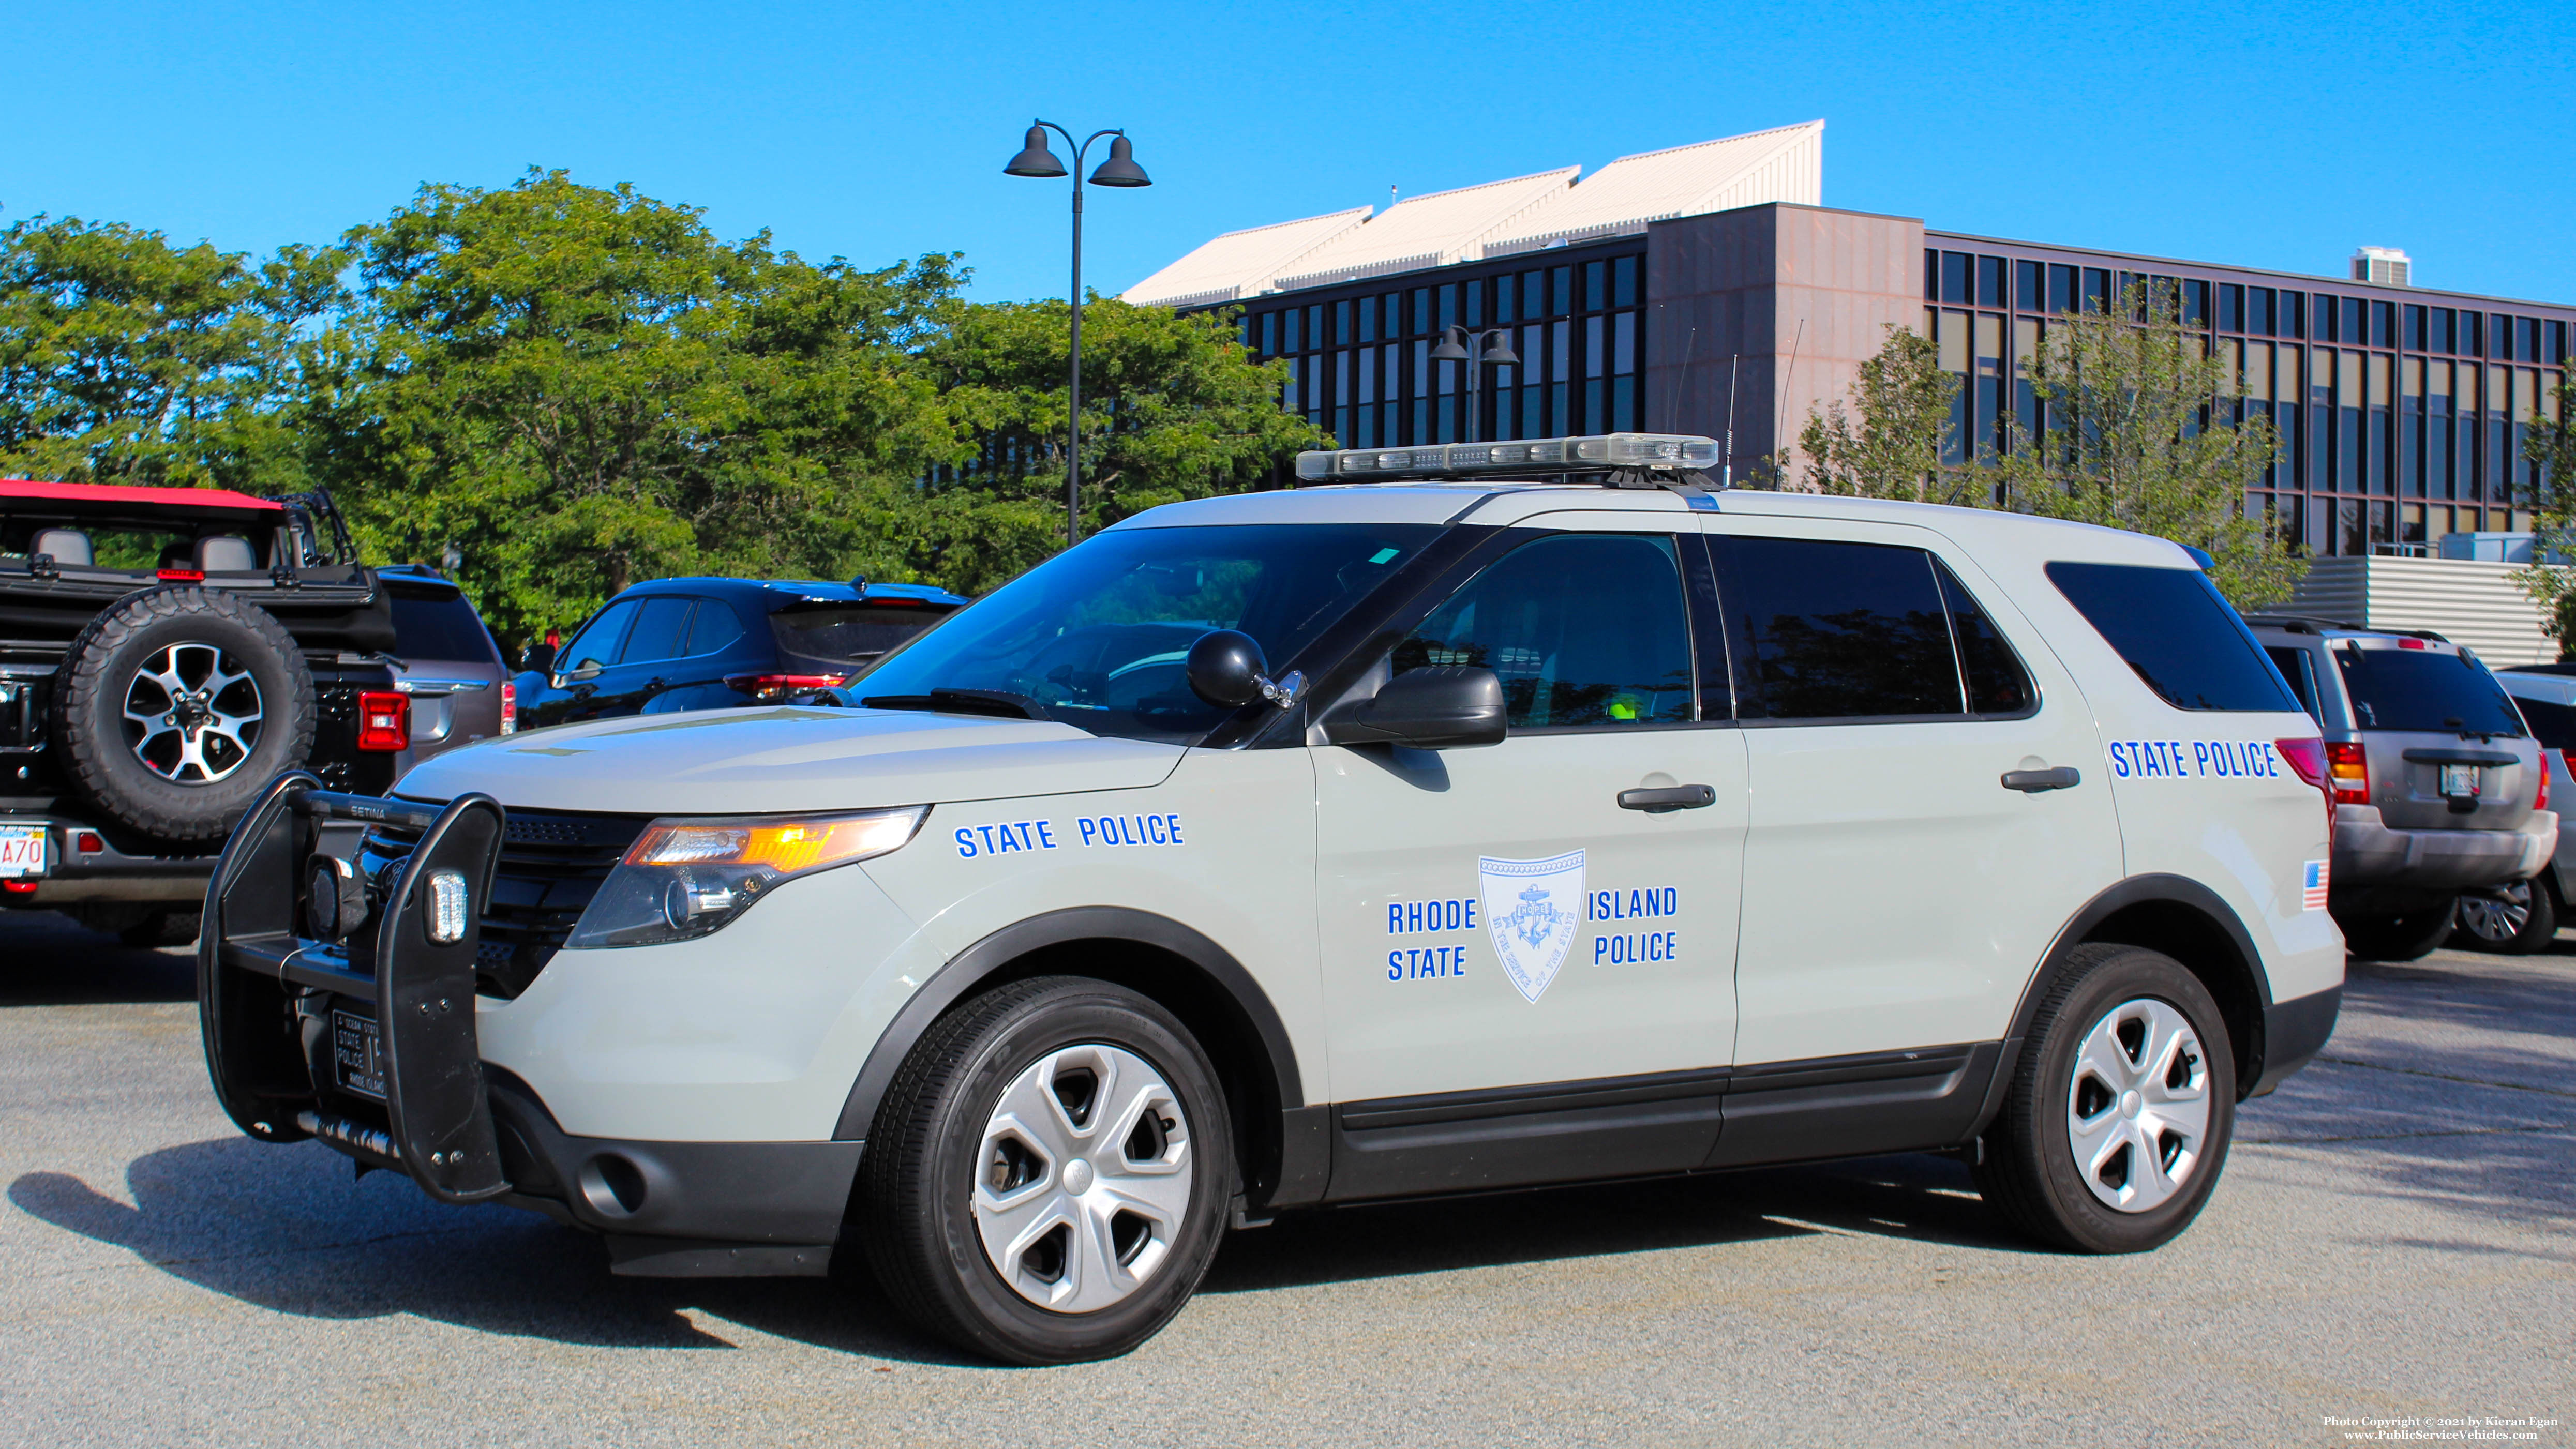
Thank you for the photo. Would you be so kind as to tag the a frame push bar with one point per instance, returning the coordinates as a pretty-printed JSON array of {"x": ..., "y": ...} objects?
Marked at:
[{"x": 259, "y": 979}]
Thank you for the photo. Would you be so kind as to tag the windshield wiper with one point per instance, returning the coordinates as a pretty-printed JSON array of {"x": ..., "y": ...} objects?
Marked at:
[{"x": 1000, "y": 703}]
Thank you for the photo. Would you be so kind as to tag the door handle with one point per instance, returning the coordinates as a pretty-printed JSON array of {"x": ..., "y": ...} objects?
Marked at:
[
  {"x": 2031, "y": 782},
  {"x": 653, "y": 683},
  {"x": 1671, "y": 797}
]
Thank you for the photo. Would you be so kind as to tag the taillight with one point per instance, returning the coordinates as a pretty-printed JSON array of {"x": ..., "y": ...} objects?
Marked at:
[
  {"x": 384, "y": 720},
  {"x": 179, "y": 576},
  {"x": 2541, "y": 801},
  {"x": 779, "y": 686},
  {"x": 509, "y": 707},
  {"x": 2348, "y": 772},
  {"x": 2308, "y": 757}
]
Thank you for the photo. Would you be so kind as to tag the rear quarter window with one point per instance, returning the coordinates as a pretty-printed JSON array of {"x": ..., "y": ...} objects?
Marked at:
[{"x": 2171, "y": 626}]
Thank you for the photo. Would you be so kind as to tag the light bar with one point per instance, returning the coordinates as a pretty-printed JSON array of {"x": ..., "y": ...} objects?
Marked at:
[{"x": 1662, "y": 451}]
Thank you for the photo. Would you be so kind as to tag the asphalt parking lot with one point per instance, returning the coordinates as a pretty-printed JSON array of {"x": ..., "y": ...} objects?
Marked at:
[{"x": 2395, "y": 1238}]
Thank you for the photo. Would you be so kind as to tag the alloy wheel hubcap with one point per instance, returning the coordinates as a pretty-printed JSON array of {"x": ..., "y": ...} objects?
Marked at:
[
  {"x": 2499, "y": 915},
  {"x": 192, "y": 714},
  {"x": 2137, "y": 1113},
  {"x": 1083, "y": 1179}
]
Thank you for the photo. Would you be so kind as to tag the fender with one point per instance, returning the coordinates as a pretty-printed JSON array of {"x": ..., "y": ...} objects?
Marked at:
[
  {"x": 2135, "y": 891},
  {"x": 971, "y": 967}
]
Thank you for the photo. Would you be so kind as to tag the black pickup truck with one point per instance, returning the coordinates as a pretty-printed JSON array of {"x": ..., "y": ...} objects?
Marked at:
[{"x": 164, "y": 654}]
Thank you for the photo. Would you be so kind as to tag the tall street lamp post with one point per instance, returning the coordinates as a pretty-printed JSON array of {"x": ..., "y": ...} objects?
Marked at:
[
  {"x": 1496, "y": 351},
  {"x": 1119, "y": 170}
]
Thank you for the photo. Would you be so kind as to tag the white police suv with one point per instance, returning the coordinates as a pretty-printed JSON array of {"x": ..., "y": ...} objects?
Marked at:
[{"x": 1490, "y": 815}]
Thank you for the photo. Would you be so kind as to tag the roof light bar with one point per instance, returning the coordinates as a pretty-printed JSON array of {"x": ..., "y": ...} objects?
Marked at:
[{"x": 1603, "y": 452}]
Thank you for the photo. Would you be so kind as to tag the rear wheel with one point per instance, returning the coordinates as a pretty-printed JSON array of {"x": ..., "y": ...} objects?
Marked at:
[
  {"x": 1047, "y": 1178},
  {"x": 2404, "y": 936},
  {"x": 2517, "y": 918},
  {"x": 2120, "y": 1110}
]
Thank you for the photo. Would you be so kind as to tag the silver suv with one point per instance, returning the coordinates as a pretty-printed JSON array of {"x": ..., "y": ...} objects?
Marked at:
[{"x": 2436, "y": 781}]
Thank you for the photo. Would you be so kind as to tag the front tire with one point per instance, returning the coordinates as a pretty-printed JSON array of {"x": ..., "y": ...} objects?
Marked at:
[
  {"x": 2404, "y": 936},
  {"x": 2120, "y": 1110},
  {"x": 1046, "y": 1180},
  {"x": 2518, "y": 918}
]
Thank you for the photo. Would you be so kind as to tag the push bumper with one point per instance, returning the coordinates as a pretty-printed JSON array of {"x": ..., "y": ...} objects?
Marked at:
[
  {"x": 2368, "y": 853},
  {"x": 281, "y": 1010}
]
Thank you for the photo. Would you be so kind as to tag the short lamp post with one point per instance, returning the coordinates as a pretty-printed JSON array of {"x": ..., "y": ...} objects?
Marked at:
[
  {"x": 1494, "y": 349},
  {"x": 1119, "y": 170}
]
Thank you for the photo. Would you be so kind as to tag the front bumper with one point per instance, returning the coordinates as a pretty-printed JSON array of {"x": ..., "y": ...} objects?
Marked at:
[
  {"x": 2368, "y": 853},
  {"x": 274, "y": 1004}
]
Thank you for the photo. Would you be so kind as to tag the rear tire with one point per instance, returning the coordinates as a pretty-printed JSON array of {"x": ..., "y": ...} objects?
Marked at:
[
  {"x": 2406, "y": 936},
  {"x": 2120, "y": 1110},
  {"x": 2518, "y": 918},
  {"x": 1047, "y": 1178}
]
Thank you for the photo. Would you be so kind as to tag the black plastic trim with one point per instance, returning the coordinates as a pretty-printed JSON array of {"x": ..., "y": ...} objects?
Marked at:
[
  {"x": 2294, "y": 1031},
  {"x": 2140, "y": 890},
  {"x": 1520, "y": 1136},
  {"x": 1856, "y": 1106}
]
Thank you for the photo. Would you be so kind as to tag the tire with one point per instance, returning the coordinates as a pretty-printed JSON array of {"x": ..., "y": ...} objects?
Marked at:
[
  {"x": 134, "y": 680},
  {"x": 163, "y": 926},
  {"x": 2406, "y": 936},
  {"x": 2518, "y": 918},
  {"x": 2089, "y": 1098},
  {"x": 979, "y": 1182}
]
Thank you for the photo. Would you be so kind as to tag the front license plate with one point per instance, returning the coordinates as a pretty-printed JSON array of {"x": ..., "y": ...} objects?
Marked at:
[
  {"x": 22, "y": 850},
  {"x": 358, "y": 1054},
  {"x": 2459, "y": 780}
]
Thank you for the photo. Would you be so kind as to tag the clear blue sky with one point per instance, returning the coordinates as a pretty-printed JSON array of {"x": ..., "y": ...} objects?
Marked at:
[{"x": 2271, "y": 136}]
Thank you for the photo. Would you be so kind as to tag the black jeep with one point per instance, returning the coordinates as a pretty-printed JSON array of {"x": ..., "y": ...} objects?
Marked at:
[{"x": 164, "y": 654}]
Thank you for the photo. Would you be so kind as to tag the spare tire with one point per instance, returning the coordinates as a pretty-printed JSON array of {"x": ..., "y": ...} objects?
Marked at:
[{"x": 176, "y": 705}]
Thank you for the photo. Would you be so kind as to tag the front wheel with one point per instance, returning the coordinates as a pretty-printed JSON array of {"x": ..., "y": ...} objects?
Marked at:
[
  {"x": 1047, "y": 1178},
  {"x": 2518, "y": 918},
  {"x": 2120, "y": 1110}
]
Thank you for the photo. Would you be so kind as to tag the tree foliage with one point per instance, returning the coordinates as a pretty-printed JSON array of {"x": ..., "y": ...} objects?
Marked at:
[
  {"x": 2142, "y": 435},
  {"x": 583, "y": 387},
  {"x": 1890, "y": 447}
]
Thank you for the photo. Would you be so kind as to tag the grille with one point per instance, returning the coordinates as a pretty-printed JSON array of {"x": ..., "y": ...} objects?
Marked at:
[{"x": 552, "y": 863}]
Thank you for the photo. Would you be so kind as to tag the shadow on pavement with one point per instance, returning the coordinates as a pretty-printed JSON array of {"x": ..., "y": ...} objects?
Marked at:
[{"x": 48, "y": 960}]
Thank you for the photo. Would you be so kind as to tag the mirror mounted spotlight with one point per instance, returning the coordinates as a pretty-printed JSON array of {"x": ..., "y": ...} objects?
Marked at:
[{"x": 1225, "y": 667}]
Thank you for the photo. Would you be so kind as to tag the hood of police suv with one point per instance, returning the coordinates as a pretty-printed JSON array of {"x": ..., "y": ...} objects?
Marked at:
[{"x": 759, "y": 761}]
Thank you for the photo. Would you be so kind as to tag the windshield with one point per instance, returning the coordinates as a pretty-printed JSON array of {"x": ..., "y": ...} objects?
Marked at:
[
  {"x": 2424, "y": 690},
  {"x": 1096, "y": 636}
]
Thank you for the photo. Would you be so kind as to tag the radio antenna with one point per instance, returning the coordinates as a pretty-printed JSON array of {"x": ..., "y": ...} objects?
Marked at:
[
  {"x": 1779, "y": 448},
  {"x": 1726, "y": 454}
]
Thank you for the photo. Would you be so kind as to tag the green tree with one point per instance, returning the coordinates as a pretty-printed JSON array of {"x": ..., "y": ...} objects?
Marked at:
[
  {"x": 125, "y": 359},
  {"x": 1892, "y": 449},
  {"x": 2549, "y": 442},
  {"x": 2141, "y": 434},
  {"x": 1174, "y": 407}
]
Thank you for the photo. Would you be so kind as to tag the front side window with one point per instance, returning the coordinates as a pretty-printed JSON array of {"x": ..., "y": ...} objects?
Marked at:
[
  {"x": 1585, "y": 630},
  {"x": 1098, "y": 637},
  {"x": 2172, "y": 628},
  {"x": 596, "y": 647}
]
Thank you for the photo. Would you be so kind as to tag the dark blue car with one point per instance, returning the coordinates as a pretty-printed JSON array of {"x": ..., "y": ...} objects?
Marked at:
[{"x": 683, "y": 644}]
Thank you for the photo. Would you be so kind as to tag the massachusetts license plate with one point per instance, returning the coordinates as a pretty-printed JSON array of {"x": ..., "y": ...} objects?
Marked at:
[
  {"x": 22, "y": 851},
  {"x": 2459, "y": 780},
  {"x": 358, "y": 1054}
]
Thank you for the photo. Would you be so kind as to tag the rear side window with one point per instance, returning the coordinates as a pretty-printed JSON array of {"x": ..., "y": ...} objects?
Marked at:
[
  {"x": 713, "y": 628},
  {"x": 848, "y": 631},
  {"x": 440, "y": 628},
  {"x": 659, "y": 631},
  {"x": 2433, "y": 691},
  {"x": 2177, "y": 633},
  {"x": 2554, "y": 725},
  {"x": 2299, "y": 669},
  {"x": 1866, "y": 631}
]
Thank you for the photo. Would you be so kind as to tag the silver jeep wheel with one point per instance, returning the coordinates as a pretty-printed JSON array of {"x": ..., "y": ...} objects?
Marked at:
[
  {"x": 1083, "y": 1180},
  {"x": 192, "y": 713},
  {"x": 2137, "y": 1111},
  {"x": 2498, "y": 914}
]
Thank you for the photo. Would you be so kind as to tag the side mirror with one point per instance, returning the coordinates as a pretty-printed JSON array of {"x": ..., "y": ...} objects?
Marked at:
[
  {"x": 587, "y": 671},
  {"x": 539, "y": 658},
  {"x": 1445, "y": 708},
  {"x": 1226, "y": 668}
]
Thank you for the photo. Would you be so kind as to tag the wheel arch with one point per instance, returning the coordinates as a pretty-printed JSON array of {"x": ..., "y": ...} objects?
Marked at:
[
  {"x": 1181, "y": 969},
  {"x": 2189, "y": 922}
]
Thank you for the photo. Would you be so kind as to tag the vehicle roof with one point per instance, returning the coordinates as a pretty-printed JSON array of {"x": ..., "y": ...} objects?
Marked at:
[
  {"x": 2330, "y": 630},
  {"x": 118, "y": 500},
  {"x": 420, "y": 577},
  {"x": 2548, "y": 688},
  {"x": 1485, "y": 501},
  {"x": 772, "y": 592}
]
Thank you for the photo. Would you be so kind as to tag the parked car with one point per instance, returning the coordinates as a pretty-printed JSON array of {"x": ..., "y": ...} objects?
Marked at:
[
  {"x": 707, "y": 643},
  {"x": 164, "y": 654},
  {"x": 446, "y": 661},
  {"x": 2521, "y": 917},
  {"x": 2436, "y": 782}
]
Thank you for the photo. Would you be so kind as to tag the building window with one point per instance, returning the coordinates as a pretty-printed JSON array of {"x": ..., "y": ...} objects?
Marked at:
[
  {"x": 2231, "y": 308},
  {"x": 1623, "y": 281},
  {"x": 2061, "y": 289},
  {"x": 2097, "y": 289},
  {"x": 2195, "y": 303},
  {"x": 2258, "y": 311},
  {"x": 1990, "y": 281}
]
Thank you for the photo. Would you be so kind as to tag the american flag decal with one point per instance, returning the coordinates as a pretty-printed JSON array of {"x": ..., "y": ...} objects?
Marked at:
[{"x": 2312, "y": 893}]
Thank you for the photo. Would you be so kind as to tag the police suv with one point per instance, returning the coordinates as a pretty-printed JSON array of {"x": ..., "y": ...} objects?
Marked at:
[{"x": 1489, "y": 815}]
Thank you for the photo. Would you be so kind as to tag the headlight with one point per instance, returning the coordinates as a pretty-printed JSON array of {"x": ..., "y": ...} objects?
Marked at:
[{"x": 687, "y": 877}]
